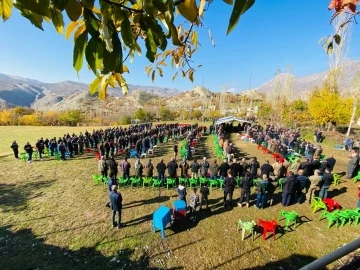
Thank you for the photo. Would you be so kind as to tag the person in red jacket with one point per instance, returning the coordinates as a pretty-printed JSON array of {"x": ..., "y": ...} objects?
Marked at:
[{"x": 358, "y": 206}]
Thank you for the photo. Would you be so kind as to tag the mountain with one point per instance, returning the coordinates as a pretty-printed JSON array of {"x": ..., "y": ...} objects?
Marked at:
[
  {"x": 18, "y": 91},
  {"x": 302, "y": 85}
]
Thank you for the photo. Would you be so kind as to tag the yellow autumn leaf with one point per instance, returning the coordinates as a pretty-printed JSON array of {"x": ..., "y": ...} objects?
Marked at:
[
  {"x": 5, "y": 9},
  {"x": 70, "y": 28}
]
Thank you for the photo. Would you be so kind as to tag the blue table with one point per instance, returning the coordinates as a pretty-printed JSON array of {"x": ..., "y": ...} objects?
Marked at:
[
  {"x": 179, "y": 205},
  {"x": 161, "y": 217}
]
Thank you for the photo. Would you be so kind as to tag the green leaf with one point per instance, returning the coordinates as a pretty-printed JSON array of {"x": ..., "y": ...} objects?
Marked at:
[
  {"x": 57, "y": 19},
  {"x": 88, "y": 3},
  {"x": 35, "y": 19},
  {"x": 91, "y": 23},
  {"x": 79, "y": 50},
  {"x": 157, "y": 31},
  {"x": 5, "y": 9},
  {"x": 59, "y": 4},
  {"x": 229, "y": 2},
  {"x": 94, "y": 86},
  {"x": 337, "y": 39},
  {"x": 40, "y": 7},
  {"x": 330, "y": 48},
  {"x": 94, "y": 53},
  {"x": 113, "y": 60},
  {"x": 150, "y": 46},
  {"x": 240, "y": 7},
  {"x": 73, "y": 10},
  {"x": 127, "y": 33}
]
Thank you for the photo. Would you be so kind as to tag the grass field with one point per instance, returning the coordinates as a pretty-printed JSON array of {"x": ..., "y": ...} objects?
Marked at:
[{"x": 52, "y": 216}]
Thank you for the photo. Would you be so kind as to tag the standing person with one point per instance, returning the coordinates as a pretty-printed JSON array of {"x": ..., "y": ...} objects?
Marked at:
[
  {"x": 314, "y": 183},
  {"x": 330, "y": 163},
  {"x": 301, "y": 184},
  {"x": 289, "y": 185},
  {"x": 245, "y": 185},
  {"x": 236, "y": 169},
  {"x": 125, "y": 168},
  {"x": 103, "y": 167},
  {"x": 244, "y": 165},
  {"x": 176, "y": 149},
  {"x": 195, "y": 169},
  {"x": 172, "y": 167},
  {"x": 229, "y": 185},
  {"x": 327, "y": 180},
  {"x": 277, "y": 166},
  {"x": 261, "y": 191},
  {"x": 149, "y": 169},
  {"x": 352, "y": 165},
  {"x": 266, "y": 168},
  {"x": 113, "y": 167},
  {"x": 204, "y": 191},
  {"x": 15, "y": 147},
  {"x": 181, "y": 190},
  {"x": 204, "y": 166},
  {"x": 224, "y": 168},
  {"x": 161, "y": 167},
  {"x": 194, "y": 199},
  {"x": 184, "y": 168},
  {"x": 254, "y": 166},
  {"x": 228, "y": 151},
  {"x": 62, "y": 150},
  {"x": 358, "y": 205},
  {"x": 29, "y": 150},
  {"x": 116, "y": 206},
  {"x": 138, "y": 168},
  {"x": 214, "y": 169},
  {"x": 40, "y": 148}
]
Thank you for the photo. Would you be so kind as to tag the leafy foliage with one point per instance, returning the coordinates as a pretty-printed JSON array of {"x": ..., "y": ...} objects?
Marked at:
[{"x": 104, "y": 30}]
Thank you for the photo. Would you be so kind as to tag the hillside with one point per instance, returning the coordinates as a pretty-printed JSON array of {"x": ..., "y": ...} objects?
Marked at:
[
  {"x": 18, "y": 91},
  {"x": 301, "y": 85}
]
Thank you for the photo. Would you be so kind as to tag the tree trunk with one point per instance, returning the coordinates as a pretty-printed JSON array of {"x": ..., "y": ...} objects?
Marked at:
[{"x": 352, "y": 119}]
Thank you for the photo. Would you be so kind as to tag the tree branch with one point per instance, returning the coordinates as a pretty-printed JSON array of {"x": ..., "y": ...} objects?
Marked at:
[{"x": 123, "y": 6}]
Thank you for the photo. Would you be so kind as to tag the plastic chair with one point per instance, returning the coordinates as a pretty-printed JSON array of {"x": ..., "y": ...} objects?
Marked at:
[
  {"x": 123, "y": 181},
  {"x": 357, "y": 177},
  {"x": 156, "y": 183},
  {"x": 147, "y": 181},
  {"x": 170, "y": 181},
  {"x": 331, "y": 217},
  {"x": 213, "y": 183},
  {"x": 97, "y": 178},
  {"x": 133, "y": 154},
  {"x": 57, "y": 156},
  {"x": 331, "y": 204},
  {"x": 317, "y": 203},
  {"x": 268, "y": 226},
  {"x": 193, "y": 181},
  {"x": 344, "y": 216},
  {"x": 135, "y": 181},
  {"x": 289, "y": 217},
  {"x": 246, "y": 226},
  {"x": 280, "y": 183},
  {"x": 336, "y": 179},
  {"x": 355, "y": 215},
  {"x": 203, "y": 180},
  {"x": 183, "y": 180},
  {"x": 67, "y": 155},
  {"x": 105, "y": 181},
  {"x": 161, "y": 217},
  {"x": 24, "y": 157}
]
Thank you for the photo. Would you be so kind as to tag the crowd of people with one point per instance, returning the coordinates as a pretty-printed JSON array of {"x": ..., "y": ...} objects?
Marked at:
[{"x": 299, "y": 180}]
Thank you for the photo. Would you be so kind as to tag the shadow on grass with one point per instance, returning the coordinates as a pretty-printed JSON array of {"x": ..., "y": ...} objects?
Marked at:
[
  {"x": 23, "y": 250},
  {"x": 236, "y": 258},
  {"x": 157, "y": 199},
  {"x": 336, "y": 192},
  {"x": 293, "y": 262},
  {"x": 13, "y": 198}
]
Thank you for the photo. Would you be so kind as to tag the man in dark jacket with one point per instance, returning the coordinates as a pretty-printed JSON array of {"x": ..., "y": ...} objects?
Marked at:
[
  {"x": 172, "y": 167},
  {"x": 236, "y": 169},
  {"x": 254, "y": 166},
  {"x": 306, "y": 166},
  {"x": 113, "y": 167},
  {"x": 330, "y": 163},
  {"x": 125, "y": 167},
  {"x": 40, "y": 148},
  {"x": 229, "y": 185},
  {"x": 327, "y": 180},
  {"x": 302, "y": 183},
  {"x": 224, "y": 168},
  {"x": 29, "y": 150},
  {"x": 161, "y": 167},
  {"x": 245, "y": 184},
  {"x": 116, "y": 206},
  {"x": 62, "y": 150},
  {"x": 266, "y": 168},
  {"x": 15, "y": 147},
  {"x": 194, "y": 169},
  {"x": 289, "y": 186},
  {"x": 204, "y": 191},
  {"x": 244, "y": 165}
]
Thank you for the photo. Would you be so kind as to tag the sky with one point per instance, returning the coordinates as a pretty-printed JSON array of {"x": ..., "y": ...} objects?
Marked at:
[{"x": 270, "y": 36}]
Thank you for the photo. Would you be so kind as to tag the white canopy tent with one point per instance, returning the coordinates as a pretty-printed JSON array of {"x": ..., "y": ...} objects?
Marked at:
[{"x": 230, "y": 119}]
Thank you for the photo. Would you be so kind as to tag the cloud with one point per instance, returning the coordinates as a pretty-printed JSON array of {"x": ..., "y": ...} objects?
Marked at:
[{"x": 231, "y": 90}]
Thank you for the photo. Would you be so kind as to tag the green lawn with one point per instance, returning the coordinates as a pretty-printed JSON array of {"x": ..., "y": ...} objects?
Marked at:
[{"x": 52, "y": 216}]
